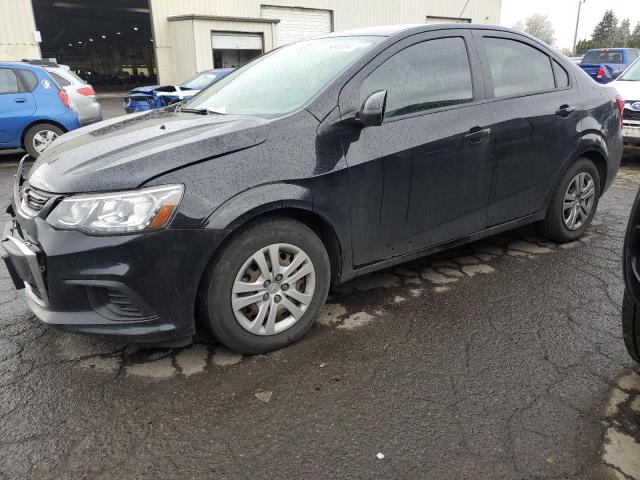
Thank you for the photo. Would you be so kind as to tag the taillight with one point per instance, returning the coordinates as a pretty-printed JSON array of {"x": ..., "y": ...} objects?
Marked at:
[
  {"x": 600, "y": 73},
  {"x": 620, "y": 104},
  {"x": 64, "y": 98},
  {"x": 87, "y": 91}
]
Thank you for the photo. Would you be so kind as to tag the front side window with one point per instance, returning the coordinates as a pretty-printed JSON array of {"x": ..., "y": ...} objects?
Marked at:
[
  {"x": 428, "y": 75},
  {"x": 517, "y": 68},
  {"x": 283, "y": 80},
  {"x": 8, "y": 81}
]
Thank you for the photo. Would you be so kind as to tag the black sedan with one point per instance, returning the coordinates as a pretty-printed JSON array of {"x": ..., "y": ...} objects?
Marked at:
[
  {"x": 631, "y": 300},
  {"x": 315, "y": 163}
]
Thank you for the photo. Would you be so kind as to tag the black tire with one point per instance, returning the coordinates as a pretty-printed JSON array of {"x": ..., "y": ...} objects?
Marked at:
[
  {"x": 631, "y": 325},
  {"x": 33, "y": 131},
  {"x": 214, "y": 303},
  {"x": 553, "y": 226}
]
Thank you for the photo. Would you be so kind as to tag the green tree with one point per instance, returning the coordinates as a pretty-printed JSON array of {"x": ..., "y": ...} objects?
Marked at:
[
  {"x": 634, "y": 39},
  {"x": 623, "y": 34},
  {"x": 604, "y": 35},
  {"x": 583, "y": 46}
]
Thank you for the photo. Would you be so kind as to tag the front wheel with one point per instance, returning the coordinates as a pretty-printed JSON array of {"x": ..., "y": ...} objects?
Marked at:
[
  {"x": 631, "y": 325},
  {"x": 573, "y": 204},
  {"x": 266, "y": 287}
]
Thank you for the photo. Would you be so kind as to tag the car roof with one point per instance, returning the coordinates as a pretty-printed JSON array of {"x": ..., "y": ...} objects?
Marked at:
[
  {"x": 27, "y": 66},
  {"x": 605, "y": 49},
  {"x": 389, "y": 30}
]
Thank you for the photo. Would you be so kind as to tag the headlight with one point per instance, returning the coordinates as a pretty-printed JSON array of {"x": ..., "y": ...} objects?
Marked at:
[{"x": 118, "y": 212}]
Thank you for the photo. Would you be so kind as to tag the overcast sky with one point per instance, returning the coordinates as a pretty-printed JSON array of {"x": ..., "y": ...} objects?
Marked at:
[{"x": 562, "y": 14}]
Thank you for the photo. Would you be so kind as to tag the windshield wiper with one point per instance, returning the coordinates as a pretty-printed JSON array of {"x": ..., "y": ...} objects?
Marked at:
[{"x": 201, "y": 111}]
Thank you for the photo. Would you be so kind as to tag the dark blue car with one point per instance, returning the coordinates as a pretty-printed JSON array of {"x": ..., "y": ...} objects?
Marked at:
[
  {"x": 606, "y": 64},
  {"x": 34, "y": 110},
  {"x": 156, "y": 96}
]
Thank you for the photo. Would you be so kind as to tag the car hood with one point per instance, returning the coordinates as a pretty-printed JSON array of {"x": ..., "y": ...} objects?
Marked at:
[
  {"x": 628, "y": 90},
  {"x": 126, "y": 152},
  {"x": 146, "y": 89}
]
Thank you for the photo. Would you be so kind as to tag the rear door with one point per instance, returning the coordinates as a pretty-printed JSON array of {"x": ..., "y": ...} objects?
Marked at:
[
  {"x": 423, "y": 176},
  {"x": 536, "y": 124},
  {"x": 16, "y": 107}
]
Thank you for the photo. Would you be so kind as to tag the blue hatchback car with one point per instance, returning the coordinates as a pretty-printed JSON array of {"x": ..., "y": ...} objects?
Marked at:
[{"x": 34, "y": 110}]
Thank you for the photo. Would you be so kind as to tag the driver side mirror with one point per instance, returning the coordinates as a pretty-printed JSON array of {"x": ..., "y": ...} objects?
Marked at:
[{"x": 372, "y": 112}]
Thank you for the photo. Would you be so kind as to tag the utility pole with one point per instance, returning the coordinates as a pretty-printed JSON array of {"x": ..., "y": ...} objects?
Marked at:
[{"x": 575, "y": 37}]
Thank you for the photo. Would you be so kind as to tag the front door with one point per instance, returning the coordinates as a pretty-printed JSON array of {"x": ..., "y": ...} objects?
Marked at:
[
  {"x": 423, "y": 177},
  {"x": 16, "y": 107}
]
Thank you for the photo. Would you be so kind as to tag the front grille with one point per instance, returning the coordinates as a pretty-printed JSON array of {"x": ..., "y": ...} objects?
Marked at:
[
  {"x": 33, "y": 200},
  {"x": 631, "y": 115}
]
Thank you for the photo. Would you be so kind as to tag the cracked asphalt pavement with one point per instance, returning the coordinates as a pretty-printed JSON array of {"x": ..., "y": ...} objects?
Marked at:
[{"x": 500, "y": 359}]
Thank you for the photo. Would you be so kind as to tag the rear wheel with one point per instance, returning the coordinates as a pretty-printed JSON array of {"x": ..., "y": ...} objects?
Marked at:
[
  {"x": 39, "y": 137},
  {"x": 631, "y": 325},
  {"x": 573, "y": 204},
  {"x": 266, "y": 287}
]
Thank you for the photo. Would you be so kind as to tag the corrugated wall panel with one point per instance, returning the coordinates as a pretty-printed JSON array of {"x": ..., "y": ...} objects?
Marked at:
[
  {"x": 347, "y": 14},
  {"x": 17, "y": 26}
]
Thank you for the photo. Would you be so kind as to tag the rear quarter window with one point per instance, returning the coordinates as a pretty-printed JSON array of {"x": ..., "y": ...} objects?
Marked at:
[
  {"x": 59, "y": 79},
  {"x": 562, "y": 77}
]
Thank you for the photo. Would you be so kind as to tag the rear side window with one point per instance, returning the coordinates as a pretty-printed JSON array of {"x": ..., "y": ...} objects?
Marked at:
[
  {"x": 562, "y": 77},
  {"x": 517, "y": 68},
  {"x": 428, "y": 75},
  {"x": 60, "y": 80},
  {"x": 8, "y": 81},
  {"x": 29, "y": 79}
]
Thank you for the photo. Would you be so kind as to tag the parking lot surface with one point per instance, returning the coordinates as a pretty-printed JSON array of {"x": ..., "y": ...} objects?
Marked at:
[{"x": 501, "y": 359}]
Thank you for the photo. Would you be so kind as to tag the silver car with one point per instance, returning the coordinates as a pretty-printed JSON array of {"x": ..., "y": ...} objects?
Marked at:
[{"x": 81, "y": 94}]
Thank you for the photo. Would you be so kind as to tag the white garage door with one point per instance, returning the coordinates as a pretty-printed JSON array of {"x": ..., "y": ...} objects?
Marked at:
[
  {"x": 236, "y": 41},
  {"x": 298, "y": 23}
]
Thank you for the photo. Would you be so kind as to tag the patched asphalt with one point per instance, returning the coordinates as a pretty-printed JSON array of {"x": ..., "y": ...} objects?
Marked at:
[{"x": 502, "y": 359}]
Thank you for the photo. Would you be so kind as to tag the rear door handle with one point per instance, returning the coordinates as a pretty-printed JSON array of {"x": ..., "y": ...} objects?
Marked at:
[
  {"x": 565, "y": 110},
  {"x": 21, "y": 100},
  {"x": 477, "y": 134}
]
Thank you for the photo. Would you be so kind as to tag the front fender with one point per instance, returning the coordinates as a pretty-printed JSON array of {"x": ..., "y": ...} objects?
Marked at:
[{"x": 251, "y": 203}]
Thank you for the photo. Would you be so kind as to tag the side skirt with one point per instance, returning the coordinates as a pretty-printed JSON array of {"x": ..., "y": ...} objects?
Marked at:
[{"x": 372, "y": 267}]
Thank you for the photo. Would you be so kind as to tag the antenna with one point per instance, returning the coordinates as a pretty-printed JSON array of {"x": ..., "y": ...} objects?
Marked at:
[{"x": 463, "y": 9}]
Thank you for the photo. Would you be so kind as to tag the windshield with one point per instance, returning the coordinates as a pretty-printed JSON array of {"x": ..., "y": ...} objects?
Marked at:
[
  {"x": 284, "y": 79},
  {"x": 201, "y": 80},
  {"x": 631, "y": 74},
  {"x": 603, "y": 56}
]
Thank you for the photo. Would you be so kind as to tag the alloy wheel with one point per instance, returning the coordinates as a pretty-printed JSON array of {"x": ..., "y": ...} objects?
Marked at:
[
  {"x": 273, "y": 289},
  {"x": 43, "y": 139},
  {"x": 578, "y": 201}
]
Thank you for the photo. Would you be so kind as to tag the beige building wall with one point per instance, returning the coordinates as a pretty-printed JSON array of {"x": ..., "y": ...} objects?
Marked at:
[
  {"x": 17, "y": 28},
  {"x": 172, "y": 48}
]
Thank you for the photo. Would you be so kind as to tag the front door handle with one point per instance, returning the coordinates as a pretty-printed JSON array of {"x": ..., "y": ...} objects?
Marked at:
[
  {"x": 21, "y": 100},
  {"x": 477, "y": 135},
  {"x": 565, "y": 110}
]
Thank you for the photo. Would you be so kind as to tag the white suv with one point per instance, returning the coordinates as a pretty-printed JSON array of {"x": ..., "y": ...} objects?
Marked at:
[{"x": 628, "y": 86}]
